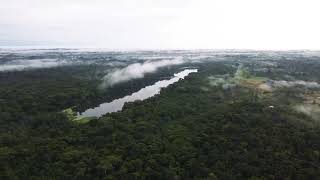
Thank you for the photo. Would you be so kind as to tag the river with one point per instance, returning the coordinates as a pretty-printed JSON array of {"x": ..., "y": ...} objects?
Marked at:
[{"x": 142, "y": 94}]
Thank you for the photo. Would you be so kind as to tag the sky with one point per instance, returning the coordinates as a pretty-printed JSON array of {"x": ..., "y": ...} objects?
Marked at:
[{"x": 161, "y": 24}]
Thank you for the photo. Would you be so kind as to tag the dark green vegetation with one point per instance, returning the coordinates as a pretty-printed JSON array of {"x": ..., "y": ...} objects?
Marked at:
[{"x": 192, "y": 130}]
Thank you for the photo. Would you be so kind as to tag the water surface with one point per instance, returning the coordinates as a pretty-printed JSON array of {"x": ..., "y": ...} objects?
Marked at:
[{"x": 142, "y": 94}]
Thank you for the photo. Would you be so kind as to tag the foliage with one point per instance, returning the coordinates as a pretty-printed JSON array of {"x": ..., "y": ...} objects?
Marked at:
[{"x": 182, "y": 133}]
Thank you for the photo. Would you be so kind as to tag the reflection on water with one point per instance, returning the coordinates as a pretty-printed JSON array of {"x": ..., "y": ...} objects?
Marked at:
[{"x": 144, "y": 93}]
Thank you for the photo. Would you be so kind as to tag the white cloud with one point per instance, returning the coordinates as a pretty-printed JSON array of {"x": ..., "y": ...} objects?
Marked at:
[
  {"x": 137, "y": 70},
  {"x": 17, "y": 65},
  {"x": 306, "y": 84},
  {"x": 309, "y": 109}
]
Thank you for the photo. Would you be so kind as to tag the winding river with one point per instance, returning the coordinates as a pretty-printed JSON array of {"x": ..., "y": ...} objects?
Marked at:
[{"x": 142, "y": 94}]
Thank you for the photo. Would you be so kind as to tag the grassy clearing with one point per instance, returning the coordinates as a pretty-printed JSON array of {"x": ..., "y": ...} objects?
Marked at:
[{"x": 72, "y": 116}]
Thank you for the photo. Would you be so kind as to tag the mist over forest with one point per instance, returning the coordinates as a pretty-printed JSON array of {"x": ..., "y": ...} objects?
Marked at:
[{"x": 173, "y": 114}]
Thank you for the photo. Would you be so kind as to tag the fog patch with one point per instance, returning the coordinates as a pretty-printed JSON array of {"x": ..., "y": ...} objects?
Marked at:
[
  {"x": 284, "y": 83},
  {"x": 216, "y": 81},
  {"x": 228, "y": 86},
  {"x": 205, "y": 89},
  {"x": 224, "y": 81},
  {"x": 154, "y": 57},
  {"x": 19, "y": 65},
  {"x": 137, "y": 70},
  {"x": 268, "y": 63},
  {"x": 115, "y": 64},
  {"x": 265, "y": 87},
  {"x": 310, "y": 110}
]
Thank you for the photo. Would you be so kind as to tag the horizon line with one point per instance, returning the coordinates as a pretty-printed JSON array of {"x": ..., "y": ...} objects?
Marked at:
[{"x": 153, "y": 49}]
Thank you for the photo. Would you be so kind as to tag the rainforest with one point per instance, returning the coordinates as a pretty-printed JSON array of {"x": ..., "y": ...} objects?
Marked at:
[{"x": 167, "y": 114}]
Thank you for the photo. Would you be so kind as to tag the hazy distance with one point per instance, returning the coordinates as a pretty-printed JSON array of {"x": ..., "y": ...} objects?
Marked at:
[{"x": 161, "y": 24}]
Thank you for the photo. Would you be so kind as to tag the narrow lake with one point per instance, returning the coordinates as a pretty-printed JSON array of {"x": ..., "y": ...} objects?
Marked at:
[{"x": 142, "y": 94}]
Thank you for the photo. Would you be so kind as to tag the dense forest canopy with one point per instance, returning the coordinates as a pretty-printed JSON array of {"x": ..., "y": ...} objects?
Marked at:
[{"x": 243, "y": 115}]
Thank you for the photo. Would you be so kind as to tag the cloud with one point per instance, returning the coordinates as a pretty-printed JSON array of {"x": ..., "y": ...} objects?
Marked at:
[
  {"x": 295, "y": 83},
  {"x": 225, "y": 81},
  {"x": 265, "y": 87},
  {"x": 310, "y": 110},
  {"x": 137, "y": 70},
  {"x": 270, "y": 85},
  {"x": 18, "y": 65}
]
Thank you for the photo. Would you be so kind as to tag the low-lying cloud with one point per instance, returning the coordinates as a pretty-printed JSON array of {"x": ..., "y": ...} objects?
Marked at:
[
  {"x": 225, "y": 81},
  {"x": 137, "y": 70},
  {"x": 310, "y": 110},
  {"x": 295, "y": 83},
  {"x": 18, "y": 65}
]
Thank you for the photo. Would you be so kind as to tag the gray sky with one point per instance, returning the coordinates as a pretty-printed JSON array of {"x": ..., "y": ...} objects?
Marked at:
[{"x": 153, "y": 24}]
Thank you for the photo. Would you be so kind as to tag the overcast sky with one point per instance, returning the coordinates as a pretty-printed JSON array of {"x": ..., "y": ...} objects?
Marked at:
[{"x": 165, "y": 24}]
